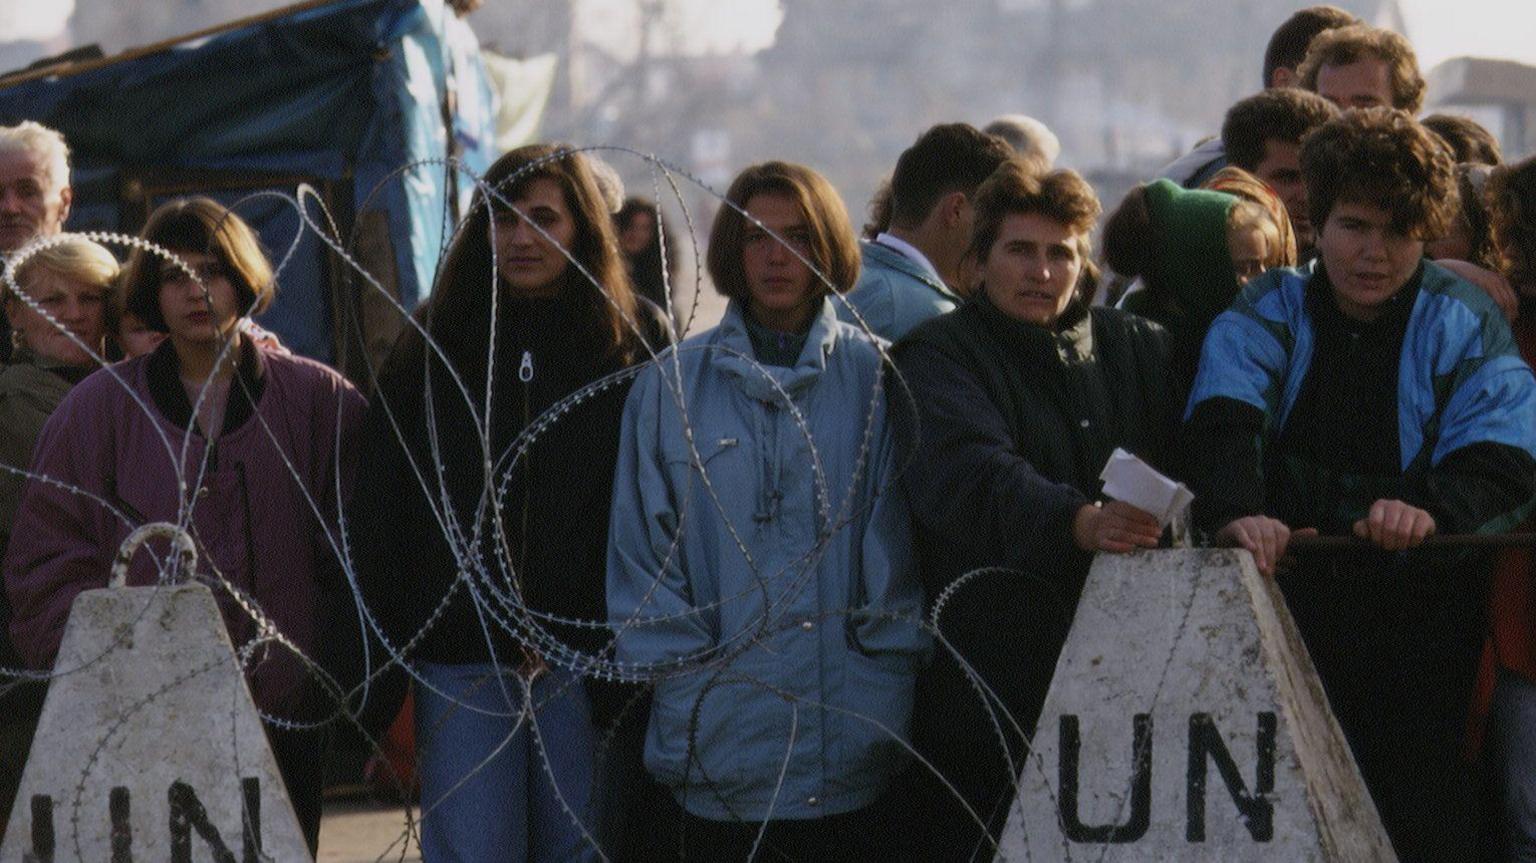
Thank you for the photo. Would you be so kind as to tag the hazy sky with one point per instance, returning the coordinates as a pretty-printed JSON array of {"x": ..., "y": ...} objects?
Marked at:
[
  {"x": 36, "y": 20},
  {"x": 1440, "y": 29}
]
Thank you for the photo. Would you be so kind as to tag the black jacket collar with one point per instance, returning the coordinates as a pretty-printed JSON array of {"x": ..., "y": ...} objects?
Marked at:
[
  {"x": 165, "y": 387},
  {"x": 1069, "y": 341}
]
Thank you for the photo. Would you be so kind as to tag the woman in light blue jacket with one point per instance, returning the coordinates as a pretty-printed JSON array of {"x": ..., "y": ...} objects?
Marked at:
[{"x": 760, "y": 565}]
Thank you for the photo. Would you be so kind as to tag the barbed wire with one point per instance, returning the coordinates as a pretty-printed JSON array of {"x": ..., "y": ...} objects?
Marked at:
[{"x": 489, "y": 582}]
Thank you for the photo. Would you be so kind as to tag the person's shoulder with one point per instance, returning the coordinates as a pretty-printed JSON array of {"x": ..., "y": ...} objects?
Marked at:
[
  {"x": 1439, "y": 281},
  {"x": 114, "y": 381},
  {"x": 104, "y": 396},
  {"x": 293, "y": 365},
  {"x": 859, "y": 338},
  {"x": 860, "y": 346},
  {"x": 21, "y": 378},
  {"x": 947, "y": 334},
  {"x": 1125, "y": 320},
  {"x": 684, "y": 356},
  {"x": 1147, "y": 340},
  {"x": 311, "y": 376},
  {"x": 1276, "y": 295},
  {"x": 883, "y": 269},
  {"x": 944, "y": 326}
]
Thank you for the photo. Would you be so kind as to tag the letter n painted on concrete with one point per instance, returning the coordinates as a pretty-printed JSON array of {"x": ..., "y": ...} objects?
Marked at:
[
  {"x": 1140, "y": 817},
  {"x": 1257, "y": 812},
  {"x": 188, "y": 814},
  {"x": 250, "y": 820},
  {"x": 120, "y": 808},
  {"x": 42, "y": 830}
]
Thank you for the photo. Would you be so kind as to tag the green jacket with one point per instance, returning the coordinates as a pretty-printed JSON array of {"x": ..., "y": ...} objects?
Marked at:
[{"x": 28, "y": 394}]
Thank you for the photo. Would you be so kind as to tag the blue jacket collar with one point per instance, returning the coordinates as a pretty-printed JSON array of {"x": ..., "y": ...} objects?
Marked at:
[
  {"x": 891, "y": 259},
  {"x": 733, "y": 354}
]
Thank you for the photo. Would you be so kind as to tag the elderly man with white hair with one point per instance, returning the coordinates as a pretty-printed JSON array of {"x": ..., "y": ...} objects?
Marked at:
[
  {"x": 34, "y": 193},
  {"x": 34, "y": 201}
]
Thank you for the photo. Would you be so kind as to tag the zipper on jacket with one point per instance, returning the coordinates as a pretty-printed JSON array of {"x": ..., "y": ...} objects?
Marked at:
[
  {"x": 533, "y": 664},
  {"x": 768, "y": 500},
  {"x": 525, "y": 374}
]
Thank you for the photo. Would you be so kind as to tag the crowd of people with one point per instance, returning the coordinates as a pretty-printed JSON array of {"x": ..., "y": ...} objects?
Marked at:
[{"x": 794, "y": 588}]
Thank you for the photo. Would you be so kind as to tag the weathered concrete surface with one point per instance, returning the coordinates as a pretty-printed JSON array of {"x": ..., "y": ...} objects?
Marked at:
[
  {"x": 150, "y": 747},
  {"x": 1189, "y": 718}
]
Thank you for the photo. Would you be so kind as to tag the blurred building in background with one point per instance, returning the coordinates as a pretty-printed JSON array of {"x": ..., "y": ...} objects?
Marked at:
[{"x": 1126, "y": 84}]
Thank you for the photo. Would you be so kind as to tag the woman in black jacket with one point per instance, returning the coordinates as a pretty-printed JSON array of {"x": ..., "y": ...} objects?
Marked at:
[
  {"x": 479, "y": 531},
  {"x": 1021, "y": 395}
]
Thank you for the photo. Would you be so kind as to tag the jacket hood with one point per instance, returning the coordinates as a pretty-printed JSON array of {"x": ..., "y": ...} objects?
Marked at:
[
  {"x": 733, "y": 353},
  {"x": 1194, "y": 266}
]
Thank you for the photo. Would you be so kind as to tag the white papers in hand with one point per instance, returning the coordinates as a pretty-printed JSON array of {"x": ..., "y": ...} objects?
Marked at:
[{"x": 1129, "y": 479}]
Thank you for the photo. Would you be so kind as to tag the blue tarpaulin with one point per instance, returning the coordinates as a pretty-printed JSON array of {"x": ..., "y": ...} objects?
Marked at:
[{"x": 341, "y": 95}]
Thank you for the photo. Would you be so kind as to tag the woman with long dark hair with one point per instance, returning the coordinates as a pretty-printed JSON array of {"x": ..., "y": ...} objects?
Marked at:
[
  {"x": 479, "y": 543},
  {"x": 649, "y": 247}
]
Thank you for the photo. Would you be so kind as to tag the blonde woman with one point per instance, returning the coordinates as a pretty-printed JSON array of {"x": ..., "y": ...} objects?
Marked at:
[{"x": 73, "y": 282}]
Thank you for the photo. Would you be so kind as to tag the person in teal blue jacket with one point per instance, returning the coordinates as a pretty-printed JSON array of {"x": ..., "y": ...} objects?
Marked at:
[
  {"x": 1377, "y": 395},
  {"x": 760, "y": 565},
  {"x": 913, "y": 268}
]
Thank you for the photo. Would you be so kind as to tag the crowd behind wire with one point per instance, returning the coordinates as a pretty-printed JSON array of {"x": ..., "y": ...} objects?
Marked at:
[{"x": 794, "y": 587}]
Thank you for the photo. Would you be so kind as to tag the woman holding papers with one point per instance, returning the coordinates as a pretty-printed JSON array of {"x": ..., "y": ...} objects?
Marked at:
[{"x": 1022, "y": 394}]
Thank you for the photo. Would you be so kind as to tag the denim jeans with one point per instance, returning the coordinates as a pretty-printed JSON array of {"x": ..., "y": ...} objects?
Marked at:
[
  {"x": 486, "y": 795},
  {"x": 1513, "y": 733}
]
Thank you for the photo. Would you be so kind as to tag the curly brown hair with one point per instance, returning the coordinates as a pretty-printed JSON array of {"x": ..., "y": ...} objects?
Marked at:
[
  {"x": 1018, "y": 188},
  {"x": 1511, "y": 196},
  {"x": 1357, "y": 42},
  {"x": 1384, "y": 158}
]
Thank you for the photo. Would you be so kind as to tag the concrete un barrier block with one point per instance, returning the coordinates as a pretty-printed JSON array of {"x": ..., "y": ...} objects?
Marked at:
[
  {"x": 1185, "y": 722},
  {"x": 149, "y": 746}
]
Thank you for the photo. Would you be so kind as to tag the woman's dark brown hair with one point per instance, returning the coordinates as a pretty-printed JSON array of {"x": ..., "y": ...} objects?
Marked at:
[
  {"x": 834, "y": 251},
  {"x": 1384, "y": 158},
  {"x": 654, "y": 267},
  {"x": 602, "y": 300},
  {"x": 205, "y": 226}
]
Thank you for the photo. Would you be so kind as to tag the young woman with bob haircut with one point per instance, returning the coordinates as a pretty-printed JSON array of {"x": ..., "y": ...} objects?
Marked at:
[
  {"x": 760, "y": 560},
  {"x": 484, "y": 561},
  {"x": 267, "y": 438},
  {"x": 1022, "y": 394},
  {"x": 1374, "y": 394}
]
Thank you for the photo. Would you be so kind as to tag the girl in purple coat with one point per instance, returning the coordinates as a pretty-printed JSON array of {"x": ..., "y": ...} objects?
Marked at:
[{"x": 239, "y": 443}]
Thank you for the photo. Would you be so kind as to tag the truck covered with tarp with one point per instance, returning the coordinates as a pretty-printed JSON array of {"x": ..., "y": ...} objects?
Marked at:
[{"x": 361, "y": 100}]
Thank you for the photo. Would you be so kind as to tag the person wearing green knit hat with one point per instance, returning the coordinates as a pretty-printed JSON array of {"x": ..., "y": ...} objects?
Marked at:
[{"x": 1191, "y": 249}]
